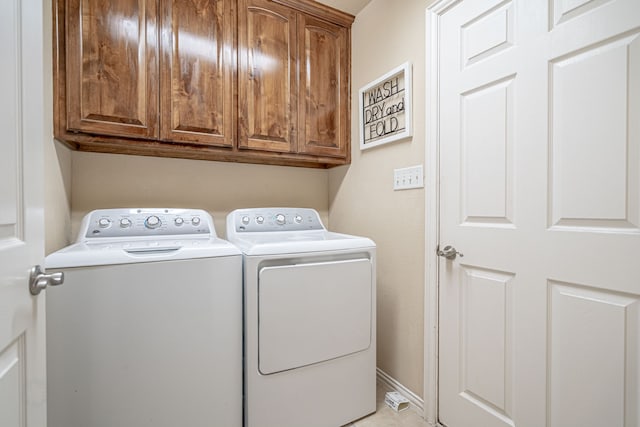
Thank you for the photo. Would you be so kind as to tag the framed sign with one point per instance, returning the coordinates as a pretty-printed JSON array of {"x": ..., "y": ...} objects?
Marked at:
[{"x": 385, "y": 108}]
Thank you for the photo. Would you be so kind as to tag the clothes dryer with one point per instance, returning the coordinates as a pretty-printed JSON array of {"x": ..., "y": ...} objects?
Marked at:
[
  {"x": 310, "y": 319},
  {"x": 146, "y": 331}
]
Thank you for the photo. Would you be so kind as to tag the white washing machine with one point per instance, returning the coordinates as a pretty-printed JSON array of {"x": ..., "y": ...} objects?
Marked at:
[
  {"x": 146, "y": 331},
  {"x": 310, "y": 319}
]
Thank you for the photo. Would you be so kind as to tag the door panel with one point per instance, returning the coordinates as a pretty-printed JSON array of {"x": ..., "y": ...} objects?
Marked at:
[
  {"x": 22, "y": 78},
  {"x": 564, "y": 10},
  {"x": 197, "y": 102},
  {"x": 309, "y": 313},
  {"x": 324, "y": 88},
  {"x": 267, "y": 76},
  {"x": 479, "y": 84},
  {"x": 10, "y": 118},
  {"x": 12, "y": 382},
  {"x": 488, "y": 34},
  {"x": 593, "y": 184},
  {"x": 112, "y": 96},
  {"x": 540, "y": 189},
  {"x": 487, "y": 154},
  {"x": 486, "y": 340},
  {"x": 584, "y": 321}
]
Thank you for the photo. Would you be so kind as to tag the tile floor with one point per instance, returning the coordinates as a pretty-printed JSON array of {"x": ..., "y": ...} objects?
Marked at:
[{"x": 387, "y": 417}]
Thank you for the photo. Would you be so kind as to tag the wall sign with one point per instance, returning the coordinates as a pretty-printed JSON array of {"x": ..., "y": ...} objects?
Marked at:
[{"x": 385, "y": 108}]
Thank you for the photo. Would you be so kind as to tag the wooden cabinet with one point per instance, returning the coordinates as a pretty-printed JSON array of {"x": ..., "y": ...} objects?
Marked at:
[
  {"x": 324, "y": 122},
  {"x": 112, "y": 67},
  {"x": 267, "y": 76},
  {"x": 259, "y": 81},
  {"x": 196, "y": 84},
  {"x": 293, "y": 81}
]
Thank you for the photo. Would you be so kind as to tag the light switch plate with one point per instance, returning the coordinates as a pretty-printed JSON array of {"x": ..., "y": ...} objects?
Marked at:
[{"x": 407, "y": 178}]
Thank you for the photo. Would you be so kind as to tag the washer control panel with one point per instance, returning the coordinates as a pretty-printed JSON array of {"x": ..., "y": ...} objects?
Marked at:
[
  {"x": 276, "y": 219},
  {"x": 146, "y": 222}
]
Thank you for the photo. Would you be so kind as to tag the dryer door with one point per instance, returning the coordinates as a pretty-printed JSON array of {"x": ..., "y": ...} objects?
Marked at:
[{"x": 309, "y": 313}]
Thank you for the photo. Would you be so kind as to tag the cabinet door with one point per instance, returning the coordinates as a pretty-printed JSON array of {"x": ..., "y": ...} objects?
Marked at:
[
  {"x": 196, "y": 82},
  {"x": 112, "y": 67},
  {"x": 324, "y": 93},
  {"x": 267, "y": 76}
]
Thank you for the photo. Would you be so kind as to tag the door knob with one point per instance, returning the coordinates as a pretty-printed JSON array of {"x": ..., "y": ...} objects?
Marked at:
[
  {"x": 39, "y": 280},
  {"x": 449, "y": 252}
]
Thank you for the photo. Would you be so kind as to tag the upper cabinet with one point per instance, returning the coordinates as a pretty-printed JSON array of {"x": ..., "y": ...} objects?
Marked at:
[
  {"x": 112, "y": 67},
  {"x": 323, "y": 110},
  {"x": 260, "y": 81},
  {"x": 197, "y": 66},
  {"x": 293, "y": 81},
  {"x": 267, "y": 76}
]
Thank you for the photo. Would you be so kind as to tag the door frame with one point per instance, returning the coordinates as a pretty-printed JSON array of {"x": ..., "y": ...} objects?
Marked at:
[{"x": 433, "y": 16}]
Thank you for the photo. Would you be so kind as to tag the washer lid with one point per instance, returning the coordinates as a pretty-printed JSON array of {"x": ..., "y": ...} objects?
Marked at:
[{"x": 118, "y": 251}]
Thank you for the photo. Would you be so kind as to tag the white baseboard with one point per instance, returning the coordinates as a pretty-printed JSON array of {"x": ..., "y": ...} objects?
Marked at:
[{"x": 388, "y": 383}]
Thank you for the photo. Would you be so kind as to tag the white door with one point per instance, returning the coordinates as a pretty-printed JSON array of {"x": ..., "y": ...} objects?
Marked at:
[
  {"x": 539, "y": 116},
  {"x": 22, "y": 352}
]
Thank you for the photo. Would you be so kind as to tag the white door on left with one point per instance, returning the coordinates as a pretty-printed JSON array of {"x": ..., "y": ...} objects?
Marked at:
[{"x": 22, "y": 351}]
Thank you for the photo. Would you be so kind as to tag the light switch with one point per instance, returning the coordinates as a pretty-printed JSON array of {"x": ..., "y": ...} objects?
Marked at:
[{"x": 407, "y": 178}]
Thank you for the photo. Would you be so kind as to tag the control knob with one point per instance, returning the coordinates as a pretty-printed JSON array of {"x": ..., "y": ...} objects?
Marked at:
[
  {"x": 104, "y": 222},
  {"x": 260, "y": 219},
  {"x": 195, "y": 220},
  {"x": 281, "y": 219},
  {"x": 245, "y": 220},
  {"x": 125, "y": 223},
  {"x": 178, "y": 221},
  {"x": 152, "y": 222},
  {"x": 298, "y": 219}
]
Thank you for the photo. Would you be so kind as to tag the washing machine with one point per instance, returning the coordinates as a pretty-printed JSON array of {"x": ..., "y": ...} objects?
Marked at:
[
  {"x": 310, "y": 319},
  {"x": 146, "y": 330}
]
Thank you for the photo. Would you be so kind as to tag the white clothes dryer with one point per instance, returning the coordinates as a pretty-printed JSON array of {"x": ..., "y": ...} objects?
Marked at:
[
  {"x": 310, "y": 319},
  {"x": 146, "y": 331}
]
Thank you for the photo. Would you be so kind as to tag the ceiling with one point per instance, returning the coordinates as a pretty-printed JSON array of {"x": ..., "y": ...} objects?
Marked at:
[{"x": 349, "y": 6}]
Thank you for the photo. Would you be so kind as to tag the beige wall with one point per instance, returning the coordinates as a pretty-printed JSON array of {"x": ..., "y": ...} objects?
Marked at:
[
  {"x": 57, "y": 196},
  {"x": 362, "y": 201},
  {"x": 112, "y": 181}
]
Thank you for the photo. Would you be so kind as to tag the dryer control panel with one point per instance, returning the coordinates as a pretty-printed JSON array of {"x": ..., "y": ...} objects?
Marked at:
[
  {"x": 146, "y": 222},
  {"x": 275, "y": 219}
]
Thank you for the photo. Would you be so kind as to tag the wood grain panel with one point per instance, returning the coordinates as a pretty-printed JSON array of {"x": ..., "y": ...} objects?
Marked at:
[
  {"x": 324, "y": 79},
  {"x": 112, "y": 67},
  {"x": 196, "y": 92},
  {"x": 267, "y": 82}
]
